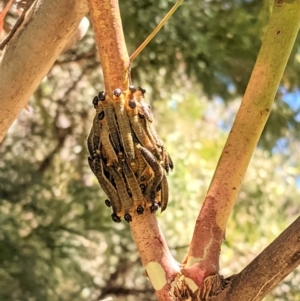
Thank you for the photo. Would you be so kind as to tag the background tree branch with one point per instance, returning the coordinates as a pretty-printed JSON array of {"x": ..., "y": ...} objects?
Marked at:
[
  {"x": 279, "y": 259},
  {"x": 250, "y": 120},
  {"x": 32, "y": 51}
]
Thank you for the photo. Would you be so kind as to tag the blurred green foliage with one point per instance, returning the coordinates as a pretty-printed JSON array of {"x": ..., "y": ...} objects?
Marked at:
[{"x": 57, "y": 241}]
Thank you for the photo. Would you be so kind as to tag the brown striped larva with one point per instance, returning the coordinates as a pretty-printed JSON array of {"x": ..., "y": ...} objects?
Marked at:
[
  {"x": 107, "y": 148},
  {"x": 108, "y": 188},
  {"x": 164, "y": 193},
  {"x": 121, "y": 189},
  {"x": 133, "y": 185},
  {"x": 157, "y": 169},
  {"x": 111, "y": 120},
  {"x": 123, "y": 123}
]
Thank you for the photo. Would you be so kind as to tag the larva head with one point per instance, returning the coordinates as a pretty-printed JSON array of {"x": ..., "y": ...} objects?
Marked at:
[
  {"x": 154, "y": 207},
  {"x": 107, "y": 203},
  {"x": 115, "y": 218},
  {"x": 101, "y": 95},
  {"x": 95, "y": 101},
  {"x": 101, "y": 115},
  {"x": 127, "y": 217},
  {"x": 132, "y": 104},
  {"x": 132, "y": 89},
  {"x": 117, "y": 92},
  {"x": 140, "y": 210},
  {"x": 142, "y": 90}
]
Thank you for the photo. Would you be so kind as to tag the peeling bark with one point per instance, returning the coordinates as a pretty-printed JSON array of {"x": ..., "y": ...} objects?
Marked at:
[{"x": 32, "y": 51}]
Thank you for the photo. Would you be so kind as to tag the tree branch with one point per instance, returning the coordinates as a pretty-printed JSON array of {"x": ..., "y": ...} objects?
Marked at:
[
  {"x": 31, "y": 52},
  {"x": 203, "y": 257},
  {"x": 159, "y": 263},
  {"x": 110, "y": 40},
  {"x": 160, "y": 266},
  {"x": 279, "y": 259}
]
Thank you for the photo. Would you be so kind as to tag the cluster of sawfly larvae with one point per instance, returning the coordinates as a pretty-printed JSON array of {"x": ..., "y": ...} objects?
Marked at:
[{"x": 126, "y": 154}]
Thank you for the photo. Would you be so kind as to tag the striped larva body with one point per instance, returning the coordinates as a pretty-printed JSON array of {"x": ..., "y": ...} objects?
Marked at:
[
  {"x": 132, "y": 111},
  {"x": 108, "y": 188},
  {"x": 90, "y": 143},
  {"x": 108, "y": 150},
  {"x": 111, "y": 121},
  {"x": 141, "y": 164},
  {"x": 96, "y": 135},
  {"x": 164, "y": 193},
  {"x": 122, "y": 190},
  {"x": 167, "y": 161},
  {"x": 140, "y": 133},
  {"x": 144, "y": 109},
  {"x": 157, "y": 169},
  {"x": 133, "y": 185},
  {"x": 123, "y": 123},
  {"x": 153, "y": 134},
  {"x": 93, "y": 142}
]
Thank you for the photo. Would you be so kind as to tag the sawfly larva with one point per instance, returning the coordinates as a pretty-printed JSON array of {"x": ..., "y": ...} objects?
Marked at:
[
  {"x": 132, "y": 183},
  {"x": 144, "y": 109},
  {"x": 121, "y": 189},
  {"x": 157, "y": 169},
  {"x": 123, "y": 123},
  {"x": 108, "y": 150},
  {"x": 167, "y": 161},
  {"x": 110, "y": 191},
  {"x": 111, "y": 121},
  {"x": 90, "y": 143},
  {"x": 164, "y": 193}
]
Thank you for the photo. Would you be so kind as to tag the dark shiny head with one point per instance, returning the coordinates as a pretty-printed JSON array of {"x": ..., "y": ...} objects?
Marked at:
[
  {"x": 117, "y": 92},
  {"x": 154, "y": 207},
  {"x": 132, "y": 104},
  {"x": 95, "y": 101},
  {"x": 143, "y": 187},
  {"x": 101, "y": 95},
  {"x": 140, "y": 210},
  {"x": 132, "y": 89},
  {"x": 127, "y": 217},
  {"x": 101, "y": 115},
  {"x": 107, "y": 203},
  {"x": 115, "y": 218},
  {"x": 142, "y": 90}
]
